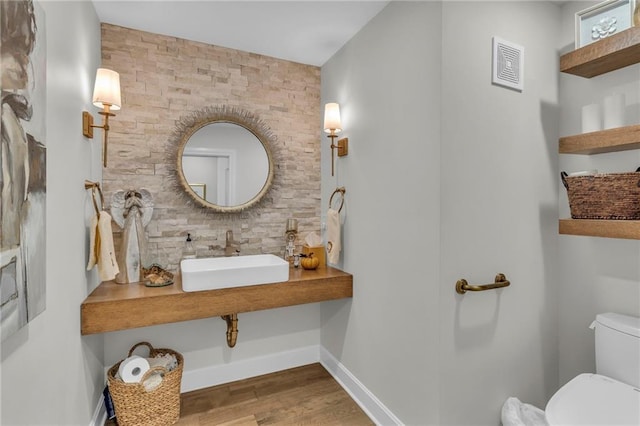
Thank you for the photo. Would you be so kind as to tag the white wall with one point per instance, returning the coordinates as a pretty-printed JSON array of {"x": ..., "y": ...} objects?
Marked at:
[
  {"x": 387, "y": 81},
  {"x": 499, "y": 212},
  {"x": 448, "y": 177},
  {"x": 50, "y": 374},
  {"x": 596, "y": 274},
  {"x": 203, "y": 342}
]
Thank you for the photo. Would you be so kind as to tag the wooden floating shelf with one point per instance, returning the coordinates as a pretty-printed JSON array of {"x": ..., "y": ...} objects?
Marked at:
[
  {"x": 113, "y": 307},
  {"x": 627, "y": 229},
  {"x": 609, "y": 54},
  {"x": 612, "y": 53},
  {"x": 610, "y": 140}
]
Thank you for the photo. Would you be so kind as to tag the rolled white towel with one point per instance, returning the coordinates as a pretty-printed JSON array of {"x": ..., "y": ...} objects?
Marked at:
[
  {"x": 152, "y": 382},
  {"x": 167, "y": 361}
]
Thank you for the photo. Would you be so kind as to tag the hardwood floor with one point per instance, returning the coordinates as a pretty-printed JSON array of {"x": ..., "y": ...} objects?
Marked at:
[{"x": 302, "y": 395}]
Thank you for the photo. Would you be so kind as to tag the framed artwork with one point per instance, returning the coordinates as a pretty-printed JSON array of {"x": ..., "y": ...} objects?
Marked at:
[
  {"x": 23, "y": 158},
  {"x": 603, "y": 20},
  {"x": 200, "y": 189}
]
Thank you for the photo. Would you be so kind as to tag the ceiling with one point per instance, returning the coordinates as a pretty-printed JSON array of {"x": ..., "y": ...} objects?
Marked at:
[{"x": 308, "y": 32}]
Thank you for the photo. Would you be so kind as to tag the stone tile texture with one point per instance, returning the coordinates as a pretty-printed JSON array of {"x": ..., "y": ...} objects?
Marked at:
[{"x": 165, "y": 78}]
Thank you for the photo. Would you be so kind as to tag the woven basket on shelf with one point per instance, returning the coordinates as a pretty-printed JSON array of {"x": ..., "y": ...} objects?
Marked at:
[
  {"x": 134, "y": 405},
  {"x": 604, "y": 195}
]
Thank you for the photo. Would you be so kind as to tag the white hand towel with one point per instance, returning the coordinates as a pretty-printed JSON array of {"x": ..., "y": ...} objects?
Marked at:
[
  {"x": 333, "y": 236},
  {"x": 93, "y": 244},
  {"x": 101, "y": 250},
  {"x": 107, "y": 263}
]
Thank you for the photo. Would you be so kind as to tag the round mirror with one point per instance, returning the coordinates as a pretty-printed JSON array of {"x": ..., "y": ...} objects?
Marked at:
[{"x": 223, "y": 160}]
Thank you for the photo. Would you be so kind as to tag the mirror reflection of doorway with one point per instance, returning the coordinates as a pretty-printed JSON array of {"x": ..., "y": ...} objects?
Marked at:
[
  {"x": 224, "y": 195},
  {"x": 216, "y": 170}
]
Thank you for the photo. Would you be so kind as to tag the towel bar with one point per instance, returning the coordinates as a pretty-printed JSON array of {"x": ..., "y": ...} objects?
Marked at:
[{"x": 500, "y": 281}]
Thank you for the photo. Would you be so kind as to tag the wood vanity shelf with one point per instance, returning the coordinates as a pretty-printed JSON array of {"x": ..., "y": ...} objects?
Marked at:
[
  {"x": 112, "y": 307},
  {"x": 606, "y": 55}
]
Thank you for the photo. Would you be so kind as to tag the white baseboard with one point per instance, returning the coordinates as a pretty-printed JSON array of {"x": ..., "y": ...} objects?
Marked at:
[
  {"x": 371, "y": 405},
  {"x": 100, "y": 414},
  {"x": 239, "y": 370}
]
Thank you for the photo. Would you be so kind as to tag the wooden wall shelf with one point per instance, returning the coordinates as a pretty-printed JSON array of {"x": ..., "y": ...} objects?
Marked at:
[
  {"x": 112, "y": 307},
  {"x": 610, "y": 140},
  {"x": 609, "y": 54},
  {"x": 627, "y": 229},
  {"x": 603, "y": 56}
]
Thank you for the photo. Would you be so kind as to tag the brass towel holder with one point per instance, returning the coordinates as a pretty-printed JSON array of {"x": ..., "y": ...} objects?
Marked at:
[
  {"x": 341, "y": 190},
  {"x": 93, "y": 186},
  {"x": 500, "y": 281}
]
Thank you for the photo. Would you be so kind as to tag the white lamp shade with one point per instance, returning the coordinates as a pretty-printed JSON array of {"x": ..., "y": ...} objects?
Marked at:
[
  {"x": 332, "y": 118},
  {"x": 107, "y": 89}
]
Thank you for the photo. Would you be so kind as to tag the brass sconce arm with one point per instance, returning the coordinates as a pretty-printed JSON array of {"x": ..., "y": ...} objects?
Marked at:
[
  {"x": 106, "y": 95},
  {"x": 342, "y": 146},
  {"x": 88, "y": 126}
]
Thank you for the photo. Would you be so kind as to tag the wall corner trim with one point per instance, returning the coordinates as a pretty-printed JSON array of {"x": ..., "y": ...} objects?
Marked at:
[{"x": 371, "y": 405}]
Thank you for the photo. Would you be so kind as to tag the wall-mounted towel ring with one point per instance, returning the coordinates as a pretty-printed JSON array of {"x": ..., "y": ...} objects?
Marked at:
[
  {"x": 341, "y": 191},
  {"x": 93, "y": 186}
]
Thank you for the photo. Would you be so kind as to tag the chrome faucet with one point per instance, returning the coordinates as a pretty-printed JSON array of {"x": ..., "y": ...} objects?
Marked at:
[{"x": 232, "y": 247}]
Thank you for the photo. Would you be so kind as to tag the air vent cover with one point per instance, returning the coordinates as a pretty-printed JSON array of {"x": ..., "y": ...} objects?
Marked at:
[{"x": 508, "y": 64}]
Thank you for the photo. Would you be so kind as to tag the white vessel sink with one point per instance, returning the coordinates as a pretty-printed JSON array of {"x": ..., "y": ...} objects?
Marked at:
[{"x": 213, "y": 273}]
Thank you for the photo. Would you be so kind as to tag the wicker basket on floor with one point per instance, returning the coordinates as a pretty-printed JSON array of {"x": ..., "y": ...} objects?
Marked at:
[
  {"x": 604, "y": 195},
  {"x": 134, "y": 405}
]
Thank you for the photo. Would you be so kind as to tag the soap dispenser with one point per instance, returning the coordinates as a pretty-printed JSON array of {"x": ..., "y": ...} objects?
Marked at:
[{"x": 189, "y": 250}]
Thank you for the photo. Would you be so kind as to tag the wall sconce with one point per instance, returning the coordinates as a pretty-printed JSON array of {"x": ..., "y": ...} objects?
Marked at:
[
  {"x": 333, "y": 126},
  {"x": 106, "y": 95}
]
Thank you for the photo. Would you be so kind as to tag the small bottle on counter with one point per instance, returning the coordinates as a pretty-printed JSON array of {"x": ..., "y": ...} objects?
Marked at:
[{"x": 189, "y": 250}]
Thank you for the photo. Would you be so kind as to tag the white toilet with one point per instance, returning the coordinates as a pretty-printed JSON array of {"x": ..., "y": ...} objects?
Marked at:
[{"x": 612, "y": 396}]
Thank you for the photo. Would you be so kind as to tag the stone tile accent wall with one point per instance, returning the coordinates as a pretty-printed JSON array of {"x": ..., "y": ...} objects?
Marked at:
[{"x": 164, "y": 78}]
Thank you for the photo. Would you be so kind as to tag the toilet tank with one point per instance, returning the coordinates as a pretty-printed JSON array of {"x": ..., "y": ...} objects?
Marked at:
[{"x": 618, "y": 347}]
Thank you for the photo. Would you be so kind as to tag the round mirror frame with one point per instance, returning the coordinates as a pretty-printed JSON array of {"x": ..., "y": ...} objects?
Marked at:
[{"x": 188, "y": 125}]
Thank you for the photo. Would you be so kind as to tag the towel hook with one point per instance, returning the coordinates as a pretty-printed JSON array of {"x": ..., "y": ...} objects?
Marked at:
[{"x": 340, "y": 190}]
